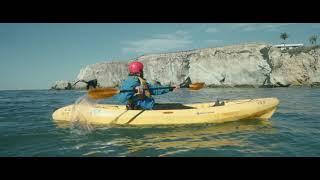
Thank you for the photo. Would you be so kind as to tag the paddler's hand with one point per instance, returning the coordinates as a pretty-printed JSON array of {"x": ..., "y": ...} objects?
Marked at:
[
  {"x": 176, "y": 87},
  {"x": 139, "y": 89}
]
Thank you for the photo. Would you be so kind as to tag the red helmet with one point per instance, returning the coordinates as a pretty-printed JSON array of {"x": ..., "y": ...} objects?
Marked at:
[{"x": 135, "y": 67}]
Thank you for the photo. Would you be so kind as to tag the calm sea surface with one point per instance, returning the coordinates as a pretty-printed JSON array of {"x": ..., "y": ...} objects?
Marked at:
[{"x": 27, "y": 128}]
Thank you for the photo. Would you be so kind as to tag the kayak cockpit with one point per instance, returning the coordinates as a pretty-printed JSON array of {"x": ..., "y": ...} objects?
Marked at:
[{"x": 169, "y": 106}]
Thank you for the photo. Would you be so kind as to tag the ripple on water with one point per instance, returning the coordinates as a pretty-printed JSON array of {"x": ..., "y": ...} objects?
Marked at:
[{"x": 27, "y": 129}]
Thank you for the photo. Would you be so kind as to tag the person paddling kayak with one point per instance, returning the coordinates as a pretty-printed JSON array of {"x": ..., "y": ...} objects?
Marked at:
[{"x": 142, "y": 97}]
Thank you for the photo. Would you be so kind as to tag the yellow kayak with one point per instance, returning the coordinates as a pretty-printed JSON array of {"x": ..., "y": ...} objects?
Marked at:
[{"x": 170, "y": 114}]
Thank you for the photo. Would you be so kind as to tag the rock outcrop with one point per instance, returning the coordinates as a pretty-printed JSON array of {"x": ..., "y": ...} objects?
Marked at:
[
  {"x": 108, "y": 74},
  {"x": 295, "y": 67},
  {"x": 62, "y": 85},
  {"x": 245, "y": 65},
  {"x": 229, "y": 66}
]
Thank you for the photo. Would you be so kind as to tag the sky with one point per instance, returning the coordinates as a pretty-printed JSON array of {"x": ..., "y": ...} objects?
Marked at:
[{"x": 35, "y": 55}]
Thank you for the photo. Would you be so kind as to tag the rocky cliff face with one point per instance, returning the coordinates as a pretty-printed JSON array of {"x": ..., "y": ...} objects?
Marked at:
[
  {"x": 254, "y": 65},
  {"x": 108, "y": 74},
  {"x": 229, "y": 66},
  {"x": 295, "y": 67}
]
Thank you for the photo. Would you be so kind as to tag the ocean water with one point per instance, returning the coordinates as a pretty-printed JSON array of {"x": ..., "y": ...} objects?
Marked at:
[{"x": 27, "y": 128}]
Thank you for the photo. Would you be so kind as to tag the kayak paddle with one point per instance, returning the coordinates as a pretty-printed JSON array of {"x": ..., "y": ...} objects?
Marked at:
[{"x": 101, "y": 93}]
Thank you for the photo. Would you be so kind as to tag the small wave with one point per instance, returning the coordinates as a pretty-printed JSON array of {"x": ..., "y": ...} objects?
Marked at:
[
  {"x": 174, "y": 152},
  {"x": 93, "y": 153}
]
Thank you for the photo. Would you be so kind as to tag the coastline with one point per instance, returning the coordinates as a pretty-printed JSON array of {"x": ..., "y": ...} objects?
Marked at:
[{"x": 254, "y": 65}]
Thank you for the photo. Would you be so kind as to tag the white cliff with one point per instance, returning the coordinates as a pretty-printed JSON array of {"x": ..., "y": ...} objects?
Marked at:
[{"x": 255, "y": 65}]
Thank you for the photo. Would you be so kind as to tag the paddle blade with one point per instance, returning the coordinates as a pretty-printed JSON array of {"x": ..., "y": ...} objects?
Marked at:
[
  {"x": 101, "y": 93},
  {"x": 196, "y": 86}
]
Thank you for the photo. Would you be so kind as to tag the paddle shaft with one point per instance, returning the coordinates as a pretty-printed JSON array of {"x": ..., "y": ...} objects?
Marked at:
[
  {"x": 108, "y": 92},
  {"x": 133, "y": 90}
]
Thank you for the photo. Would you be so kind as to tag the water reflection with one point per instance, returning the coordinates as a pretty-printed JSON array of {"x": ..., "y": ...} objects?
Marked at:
[{"x": 194, "y": 137}]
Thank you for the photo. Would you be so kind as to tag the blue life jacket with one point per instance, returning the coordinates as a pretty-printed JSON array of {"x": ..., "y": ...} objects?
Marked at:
[{"x": 144, "y": 102}]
